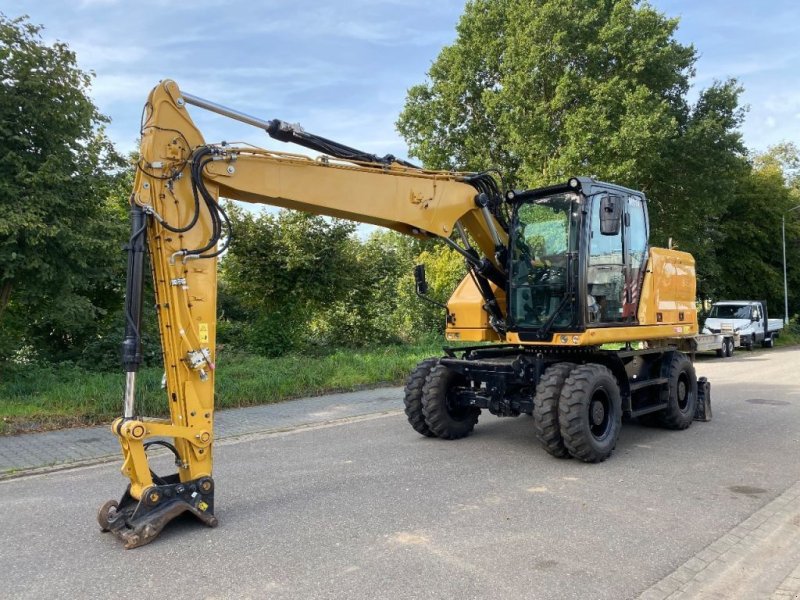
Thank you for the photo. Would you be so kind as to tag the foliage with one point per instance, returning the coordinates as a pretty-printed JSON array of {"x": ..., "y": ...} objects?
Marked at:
[
  {"x": 444, "y": 269},
  {"x": 284, "y": 269},
  {"x": 61, "y": 226},
  {"x": 547, "y": 89},
  {"x": 751, "y": 238},
  {"x": 297, "y": 282},
  {"x": 552, "y": 88}
]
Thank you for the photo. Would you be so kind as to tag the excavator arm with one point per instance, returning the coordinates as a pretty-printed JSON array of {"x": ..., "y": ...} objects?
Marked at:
[{"x": 177, "y": 219}]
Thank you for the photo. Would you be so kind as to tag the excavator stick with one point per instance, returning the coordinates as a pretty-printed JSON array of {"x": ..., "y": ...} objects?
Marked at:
[{"x": 138, "y": 522}]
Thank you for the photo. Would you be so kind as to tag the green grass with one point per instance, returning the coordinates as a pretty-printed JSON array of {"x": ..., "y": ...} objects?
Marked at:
[
  {"x": 37, "y": 397},
  {"x": 789, "y": 335}
]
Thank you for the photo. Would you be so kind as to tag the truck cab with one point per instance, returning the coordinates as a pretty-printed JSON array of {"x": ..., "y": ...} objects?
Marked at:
[{"x": 748, "y": 318}]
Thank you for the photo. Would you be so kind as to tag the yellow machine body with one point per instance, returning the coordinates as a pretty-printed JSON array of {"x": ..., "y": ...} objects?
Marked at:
[{"x": 412, "y": 201}]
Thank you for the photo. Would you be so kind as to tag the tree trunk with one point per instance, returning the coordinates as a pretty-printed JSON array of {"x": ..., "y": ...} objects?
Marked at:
[{"x": 5, "y": 296}]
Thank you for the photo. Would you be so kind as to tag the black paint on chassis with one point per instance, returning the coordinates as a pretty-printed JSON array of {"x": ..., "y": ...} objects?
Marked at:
[
  {"x": 138, "y": 522},
  {"x": 503, "y": 378}
]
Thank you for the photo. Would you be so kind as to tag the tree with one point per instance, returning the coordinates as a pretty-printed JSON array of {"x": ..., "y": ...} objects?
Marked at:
[
  {"x": 281, "y": 270},
  {"x": 751, "y": 242},
  {"x": 61, "y": 227},
  {"x": 547, "y": 89},
  {"x": 444, "y": 270},
  {"x": 552, "y": 88}
]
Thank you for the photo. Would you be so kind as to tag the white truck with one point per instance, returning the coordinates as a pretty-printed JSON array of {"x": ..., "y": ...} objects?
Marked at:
[{"x": 745, "y": 321}]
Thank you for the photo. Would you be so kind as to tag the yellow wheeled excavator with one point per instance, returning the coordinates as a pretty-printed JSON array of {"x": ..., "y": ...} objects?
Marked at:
[{"x": 553, "y": 276}]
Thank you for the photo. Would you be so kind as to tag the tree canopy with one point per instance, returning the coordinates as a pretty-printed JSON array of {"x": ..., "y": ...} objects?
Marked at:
[
  {"x": 548, "y": 89},
  {"x": 60, "y": 228}
]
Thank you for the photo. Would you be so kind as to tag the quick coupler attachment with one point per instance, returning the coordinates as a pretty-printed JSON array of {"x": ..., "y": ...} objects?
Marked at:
[{"x": 138, "y": 522}]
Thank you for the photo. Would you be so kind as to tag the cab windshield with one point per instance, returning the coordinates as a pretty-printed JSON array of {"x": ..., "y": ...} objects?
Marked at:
[
  {"x": 729, "y": 311},
  {"x": 544, "y": 242}
]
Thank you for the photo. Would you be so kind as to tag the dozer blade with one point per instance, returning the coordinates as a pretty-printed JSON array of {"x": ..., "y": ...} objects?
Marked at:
[{"x": 138, "y": 522}]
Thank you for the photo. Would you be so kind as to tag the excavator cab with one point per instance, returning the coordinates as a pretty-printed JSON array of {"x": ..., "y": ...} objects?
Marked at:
[{"x": 578, "y": 253}]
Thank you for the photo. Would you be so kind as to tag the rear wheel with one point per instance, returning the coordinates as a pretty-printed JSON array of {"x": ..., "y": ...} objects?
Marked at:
[
  {"x": 443, "y": 417},
  {"x": 590, "y": 413},
  {"x": 545, "y": 409},
  {"x": 729, "y": 348},
  {"x": 768, "y": 342},
  {"x": 413, "y": 396},
  {"x": 680, "y": 395}
]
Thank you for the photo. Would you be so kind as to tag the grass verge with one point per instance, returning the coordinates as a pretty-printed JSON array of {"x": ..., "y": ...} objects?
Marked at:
[
  {"x": 50, "y": 397},
  {"x": 789, "y": 335}
]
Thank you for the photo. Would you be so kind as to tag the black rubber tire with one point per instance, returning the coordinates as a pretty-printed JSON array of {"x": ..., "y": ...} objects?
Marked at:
[
  {"x": 545, "y": 409},
  {"x": 585, "y": 388},
  {"x": 723, "y": 352},
  {"x": 413, "y": 396},
  {"x": 730, "y": 348},
  {"x": 751, "y": 345},
  {"x": 680, "y": 395},
  {"x": 767, "y": 343},
  {"x": 444, "y": 420}
]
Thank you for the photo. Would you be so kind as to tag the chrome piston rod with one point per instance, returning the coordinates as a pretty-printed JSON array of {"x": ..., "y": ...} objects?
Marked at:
[
  {"x": 130, "y": 388},
  {"x": 225, "y": 111}
]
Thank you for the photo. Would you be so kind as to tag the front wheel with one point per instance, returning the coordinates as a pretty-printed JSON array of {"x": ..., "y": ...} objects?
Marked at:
[
  {"x": 680, "y": 394},
  {"x": 443, "y": 417},
  {"x": 590, "y": 413},
  {"x": 545, "y": 409}
]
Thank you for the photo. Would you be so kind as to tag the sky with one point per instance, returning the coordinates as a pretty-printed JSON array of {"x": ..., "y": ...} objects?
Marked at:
[{"x": 341, "y": 68}]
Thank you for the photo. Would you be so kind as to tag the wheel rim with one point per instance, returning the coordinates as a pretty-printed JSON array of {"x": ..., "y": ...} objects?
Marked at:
[
  {"x": 682, "y": 392},
  {"x": 599, "y": 414},
  {"x": 456, "y": 412}
]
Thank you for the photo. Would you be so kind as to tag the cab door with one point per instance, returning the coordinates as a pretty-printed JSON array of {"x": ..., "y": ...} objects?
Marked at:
[
  {"x": 606, "y": 272},
  {"x": 636, "y": 235}
]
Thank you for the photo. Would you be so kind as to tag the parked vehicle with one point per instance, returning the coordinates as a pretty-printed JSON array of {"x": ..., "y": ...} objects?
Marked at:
[
  {"x": 723, "y": 343},
  {"x": 747, "y": 318}
]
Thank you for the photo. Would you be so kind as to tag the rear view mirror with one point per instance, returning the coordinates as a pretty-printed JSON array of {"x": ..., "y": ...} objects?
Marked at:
[
  {"x": 419, "y": 280},
  {"x": 610, "y": 214}
]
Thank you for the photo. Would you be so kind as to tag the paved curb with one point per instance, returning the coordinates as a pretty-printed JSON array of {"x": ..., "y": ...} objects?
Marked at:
[{"x": 758, "y": 558}]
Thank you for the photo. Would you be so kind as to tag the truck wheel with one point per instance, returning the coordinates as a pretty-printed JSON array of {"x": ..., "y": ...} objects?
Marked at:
[
  {"x": 752, "y": 343},
  {"x": 545, "y": 409},
  {"x": 723, "y": 351},
  {"x": 680, "y": 395},
  {"x": 768, "y": 342},
  {"x": 413, "y": 396},
  {"x": 443, "y": 418},
  {"x": 590, "y": 413},
  {"x": 729, "y": 348}
]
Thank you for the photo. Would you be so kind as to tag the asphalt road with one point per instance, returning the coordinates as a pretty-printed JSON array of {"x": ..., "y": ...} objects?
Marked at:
[{"x": 369, "y": 509}]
